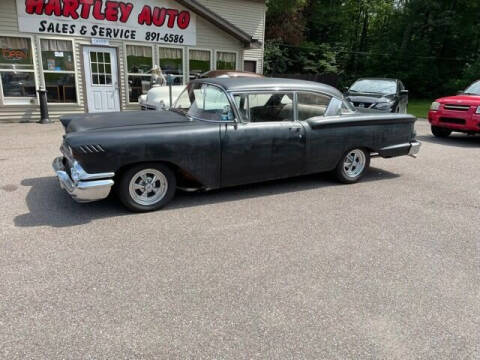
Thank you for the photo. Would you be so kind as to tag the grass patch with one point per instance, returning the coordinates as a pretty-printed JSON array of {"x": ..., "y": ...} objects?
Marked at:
[{"x": 419, "y": 108}]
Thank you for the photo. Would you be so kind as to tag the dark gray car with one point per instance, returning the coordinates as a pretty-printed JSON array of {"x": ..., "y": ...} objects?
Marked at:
[
  {"x": 222, "y": 133},
  {"x": 382, "y": 94}
]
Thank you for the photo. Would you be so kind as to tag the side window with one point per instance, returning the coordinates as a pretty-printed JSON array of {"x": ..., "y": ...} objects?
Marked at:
[
  {"x": 265, "y": 107},
  {"x": 311, "y": 105},
  {"x": 241, "y": 101}
]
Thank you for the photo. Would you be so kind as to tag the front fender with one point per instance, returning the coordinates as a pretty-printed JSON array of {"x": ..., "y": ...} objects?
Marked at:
[{"x": 193, "y": 148}]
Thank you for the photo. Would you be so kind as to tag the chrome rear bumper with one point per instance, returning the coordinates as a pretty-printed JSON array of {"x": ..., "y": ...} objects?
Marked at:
[
  {"x": 415, "y": 149},
  {"x": 85, "y": 187},
  {"x": 410, "y": 149}
]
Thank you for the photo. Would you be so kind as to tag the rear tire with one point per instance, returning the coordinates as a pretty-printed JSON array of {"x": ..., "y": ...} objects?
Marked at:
[
  {"x": 147, "y": 187},
  {"x": 353, "y": 166},
  {"x": 441, "y": 132}
]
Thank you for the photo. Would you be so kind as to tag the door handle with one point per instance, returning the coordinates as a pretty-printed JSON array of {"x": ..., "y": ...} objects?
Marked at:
[{"x": 297, "y": 131}]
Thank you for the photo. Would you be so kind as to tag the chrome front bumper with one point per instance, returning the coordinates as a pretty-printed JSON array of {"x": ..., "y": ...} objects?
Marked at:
[{"x": 85, "y": 187}]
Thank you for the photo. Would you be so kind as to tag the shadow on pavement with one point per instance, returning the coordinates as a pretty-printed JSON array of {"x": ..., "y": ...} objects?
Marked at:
[
  {"x": 270, "y": 188},
  {"x": 51, "y": 206},
  {"x": 455, "y": 140}
]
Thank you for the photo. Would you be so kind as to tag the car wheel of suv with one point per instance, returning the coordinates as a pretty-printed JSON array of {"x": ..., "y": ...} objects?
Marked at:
[
  {"x": 353, "y": 166},
  {"x": 441, "y": 132},
  {"x": 147, "y": 187}
]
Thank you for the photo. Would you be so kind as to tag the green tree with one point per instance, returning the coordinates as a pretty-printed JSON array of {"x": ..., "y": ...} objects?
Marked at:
[{"x": 432, "y": 45}]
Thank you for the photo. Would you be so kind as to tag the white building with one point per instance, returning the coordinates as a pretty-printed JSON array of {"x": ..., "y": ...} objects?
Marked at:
[{"x": 95, "y": 55}]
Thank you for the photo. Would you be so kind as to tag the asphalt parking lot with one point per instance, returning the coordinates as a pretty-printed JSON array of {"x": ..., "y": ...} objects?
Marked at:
[{"x": 299, "y": 268}]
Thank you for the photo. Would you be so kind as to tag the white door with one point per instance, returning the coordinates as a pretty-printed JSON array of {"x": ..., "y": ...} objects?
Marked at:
[{"x": 101, "y": 79}]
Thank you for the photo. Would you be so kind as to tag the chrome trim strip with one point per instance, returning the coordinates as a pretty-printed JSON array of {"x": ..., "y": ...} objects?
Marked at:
[
  {"x": 395, "y": 147},
  {"x": 457, "y": 107},
  {"x": 82, "y": 175}
]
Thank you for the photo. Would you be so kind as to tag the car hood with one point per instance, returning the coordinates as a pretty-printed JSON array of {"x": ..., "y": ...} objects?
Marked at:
[
  {"x": 102, "y": 121},
  {"x": 460, "y": 100}
]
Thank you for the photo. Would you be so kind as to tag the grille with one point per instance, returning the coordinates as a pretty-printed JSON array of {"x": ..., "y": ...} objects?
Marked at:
[
  {"x": 365, "y": 105},
  {"x": 91, "y": 149},
  {"x": 453, "y": 121},
  {"x": 457, "y": 107}
]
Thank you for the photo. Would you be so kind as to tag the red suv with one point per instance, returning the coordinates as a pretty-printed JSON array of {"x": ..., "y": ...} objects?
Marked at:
[{"x": 459, "y": 113}]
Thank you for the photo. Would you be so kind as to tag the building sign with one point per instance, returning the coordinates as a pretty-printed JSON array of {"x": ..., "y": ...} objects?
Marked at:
[
  {"x": 156, "y": 21},
  {"x": 100, "y": 42}
]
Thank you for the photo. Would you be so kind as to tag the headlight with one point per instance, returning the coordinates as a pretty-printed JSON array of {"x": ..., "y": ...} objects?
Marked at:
[
  {"x": 384, "y": 105},
  {"x": 75, "y": 174},
  {"x": 435, "y": 106},
  {"x": 478, "y": 110}
]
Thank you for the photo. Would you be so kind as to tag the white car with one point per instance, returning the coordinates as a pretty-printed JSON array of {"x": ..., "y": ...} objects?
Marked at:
[{"x": 158, "y": 97}]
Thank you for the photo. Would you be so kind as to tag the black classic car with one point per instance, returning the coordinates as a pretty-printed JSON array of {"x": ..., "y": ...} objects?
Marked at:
[
  {"x": 222, "y": 133},
  {"x": 387, "y": 95}
]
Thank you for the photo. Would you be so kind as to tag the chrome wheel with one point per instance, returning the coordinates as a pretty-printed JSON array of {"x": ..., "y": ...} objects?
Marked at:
[
  {"x": 148, "y": 187},
  {"x": 354, "y": 163}
]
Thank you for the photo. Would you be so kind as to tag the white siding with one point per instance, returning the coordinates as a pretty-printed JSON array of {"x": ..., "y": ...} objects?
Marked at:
[
  {"x": 8, "y": 16},
  {"x": 247, "y": 15}
]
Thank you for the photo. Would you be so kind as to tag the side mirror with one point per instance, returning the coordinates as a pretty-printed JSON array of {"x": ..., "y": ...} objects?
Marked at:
[
  {"x": 460, "y": 92},
  {"x": 345, "y": 89},
  {"x": 404, "y": 92}
]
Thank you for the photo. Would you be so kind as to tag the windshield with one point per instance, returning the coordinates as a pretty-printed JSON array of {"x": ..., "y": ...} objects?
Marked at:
[
  {"x": 384, "y": 87},
  {"x": 205, "y": 102},
  {"x": 473, "y": 89}
]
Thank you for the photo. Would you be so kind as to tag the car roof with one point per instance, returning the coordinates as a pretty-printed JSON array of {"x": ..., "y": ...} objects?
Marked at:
[
  {"x": 377, "y": 78},
  {"x": 253, "y": 84},
  {"x": 229, "y": 73}
]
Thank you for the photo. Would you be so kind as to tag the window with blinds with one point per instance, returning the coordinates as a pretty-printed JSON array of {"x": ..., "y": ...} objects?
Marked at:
[
  {"x": 17, "y": 71},
  {"x": 199, "y": 62},
  {"x": 139, "y": 67},
  {"x": 171, "y": 63},
  {"x": 226, "y": 60},
  {"x": 59, "y": 70}
]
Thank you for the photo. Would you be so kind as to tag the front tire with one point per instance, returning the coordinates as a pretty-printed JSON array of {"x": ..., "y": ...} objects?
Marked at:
[
  {"x": 353, "y": 166},
  {"x": 147, "y": 187},
  {"x": 441, "y": 132}
]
